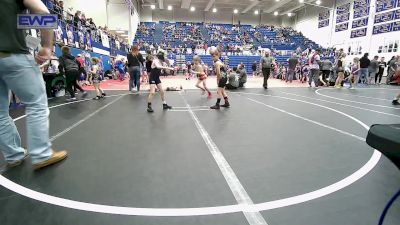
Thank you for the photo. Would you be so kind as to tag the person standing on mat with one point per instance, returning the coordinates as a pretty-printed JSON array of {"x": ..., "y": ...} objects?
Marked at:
[
  {"x": 292, "y": 64},
  {"x": 20, "y": 74},
  {"x": 198, "y": 69},
  {"x": 381, "y": 68},
  {"x": 313, "y": 62},
  {"x": 363, "y": 72},
  {"x": 70, "y": 67},
  {"x": 340, "y": 68},
  {"x": 354, "y": 76},
  {"x": 96, "y": 78},
  {"x": 266, "y": 63},
  {"x": 154, "y": 80},
  {"x": 254, "y": 68},
  {"x": 135, "y": 61},
  {"x": 222, "y": 79},
  {"x": 393, "y": 66},
  {"x": 373, "y": 69}
]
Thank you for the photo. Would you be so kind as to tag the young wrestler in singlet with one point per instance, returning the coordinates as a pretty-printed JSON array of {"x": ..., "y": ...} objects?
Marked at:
[
  {"x": 201, "y": 75},
  {"x": 154, "y": 80},
  {"x": 222, "y": 78}
]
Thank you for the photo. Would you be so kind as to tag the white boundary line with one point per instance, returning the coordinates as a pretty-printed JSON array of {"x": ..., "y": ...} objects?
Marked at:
[
  {"x": 363, "y": 96},
  {"x": 238, "y": 191},
  {"x": 204, "y": 210},
  {"x": 337, "y": 103},
  {"x": 68, "y": 103},
  {"x": 84, "y": 119},
  {"x": 187, "y": 110},
  {"x": 363, "y": 103},
  {"x": 309, "y": 120}
]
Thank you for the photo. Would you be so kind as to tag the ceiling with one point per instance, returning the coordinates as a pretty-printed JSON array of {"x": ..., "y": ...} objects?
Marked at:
[{"x": 243, "y": 6}]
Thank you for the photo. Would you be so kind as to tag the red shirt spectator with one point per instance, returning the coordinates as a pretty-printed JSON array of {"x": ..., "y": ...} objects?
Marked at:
[{"x": 81, "y": 60}]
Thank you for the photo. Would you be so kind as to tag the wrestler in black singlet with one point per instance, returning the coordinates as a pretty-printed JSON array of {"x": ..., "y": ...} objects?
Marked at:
[
  {"x": 155, "y": 76},
  {"x": 224, "y": 78}
]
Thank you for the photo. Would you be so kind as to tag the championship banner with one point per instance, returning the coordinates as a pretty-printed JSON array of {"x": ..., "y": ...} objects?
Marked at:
[
  {"x": 358, "y": 33},
  {"x": 361, "y": 12},
  {"x": 396, "y": 14},
  {"x": 361, "y": 3},
  {"x": 383, "y": 5},
  {"x": 343, "y": 9},
  {"x": 360, "y": 23},
  {"x": 384, "y": 17},
  {"x": 324, "y": 15},
  {"x": 341, "y": 27},
  {"x": 396, "y": 26},
  {"x": 342, "y": 18},
  {"x": 382, "y": 28},
  {"x": 323, "y": 23}
]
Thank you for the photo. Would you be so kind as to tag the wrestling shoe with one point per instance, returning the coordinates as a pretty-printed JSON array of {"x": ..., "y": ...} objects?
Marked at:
[
  {"x": 226, "y": 105},
  {"x": 215, "y": 107},
  {"x": 165, "y": 107}
]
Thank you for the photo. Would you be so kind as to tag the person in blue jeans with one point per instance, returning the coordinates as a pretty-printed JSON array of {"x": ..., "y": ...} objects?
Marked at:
[
  {"x": 20, "y": 74},
  {"x": 363, "y": 72},
  {"x": 135, "y": 62}
]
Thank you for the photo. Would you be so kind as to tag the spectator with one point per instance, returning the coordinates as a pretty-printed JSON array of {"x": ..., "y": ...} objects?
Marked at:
[
  {"x": 363, "y": 72},
  {"x": 373, "y": 69},
  {"x": 242, "y": 75},
  {"x": 381, "y": 67},
  {"x": 292, "y": 64},
  {"x": 254, "y": 68},
  {"x": 77, "y": 20},
  {"x": 340, "y": 69},
  {"x": 81, "y": 61},
  {"x": 266, "y": 63},
  {"x": 70, "y": 67},
  {"x": 314, "y": 61},
  {"x": 233, "y": 80},
  {"x": 20, "y": 74},
  {"x": 355, "y": 71},
  {"x": 135, "y": 61},
  {"x": 393, "y": 65},
  {"x": 326, "y": 67}
]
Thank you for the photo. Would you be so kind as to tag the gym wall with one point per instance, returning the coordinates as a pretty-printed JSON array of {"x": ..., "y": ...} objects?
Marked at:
[{"x": 307, "y": 23}]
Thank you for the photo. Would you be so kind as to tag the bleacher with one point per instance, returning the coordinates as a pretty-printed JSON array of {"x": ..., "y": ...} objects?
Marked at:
[
  {"x": 281, "y": 39},
  {"x": 181, "y": 31},
  {"x": 82, "y": 36},
  {"x": 146, "y": 34}
]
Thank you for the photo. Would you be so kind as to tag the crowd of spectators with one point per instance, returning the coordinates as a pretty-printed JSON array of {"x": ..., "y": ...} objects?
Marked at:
[
  {"x": 232, "y": 35},
  {"x": 146, "y": 30},
  {"x": 187, "y": 38},
  {"x": 79, "y": 23},
  {"x": 182, "y": 33}
]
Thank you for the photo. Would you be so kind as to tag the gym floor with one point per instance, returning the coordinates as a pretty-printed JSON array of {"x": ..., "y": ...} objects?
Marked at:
[{"x": 283, "y": 156}]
